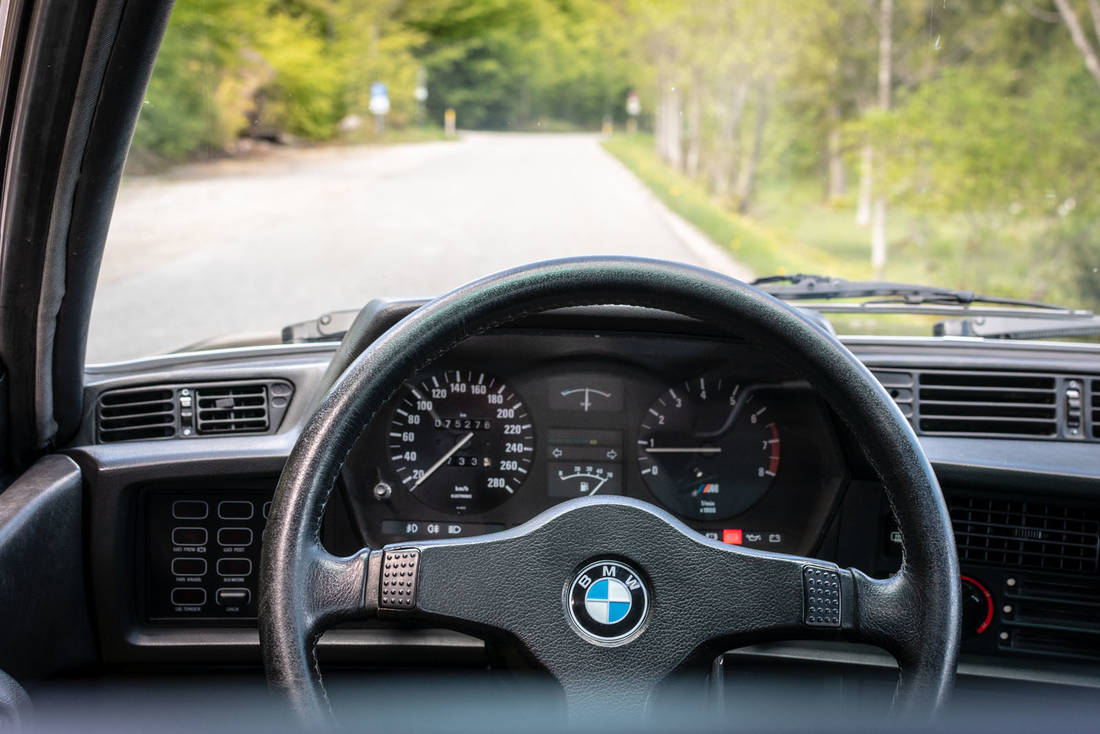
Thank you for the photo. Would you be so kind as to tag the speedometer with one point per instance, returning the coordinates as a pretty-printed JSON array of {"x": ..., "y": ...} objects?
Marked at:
[
  {"x": 461, "y": 441},
  {"x": 708, "y": 449}
]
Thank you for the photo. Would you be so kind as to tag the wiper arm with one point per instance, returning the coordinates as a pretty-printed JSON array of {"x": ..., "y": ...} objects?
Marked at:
[
  {"x": 1016, "y": 327},
  {"x": 801, "y": 286}
]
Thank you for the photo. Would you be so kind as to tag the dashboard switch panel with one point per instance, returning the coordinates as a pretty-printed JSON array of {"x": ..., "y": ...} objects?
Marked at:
[
  {"x": 822, "y": 589},
  {"x": 399, "y": 571},
  {"x": 202, "y": 554}
]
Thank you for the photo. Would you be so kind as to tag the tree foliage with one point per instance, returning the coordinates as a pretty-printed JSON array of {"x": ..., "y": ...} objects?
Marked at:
[{"x": 993, "y": 123}]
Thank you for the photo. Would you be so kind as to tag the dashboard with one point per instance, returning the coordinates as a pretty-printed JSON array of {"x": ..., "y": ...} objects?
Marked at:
[
  {"x": 632, "y": 402},
  {"x": 508, "y": 425}
]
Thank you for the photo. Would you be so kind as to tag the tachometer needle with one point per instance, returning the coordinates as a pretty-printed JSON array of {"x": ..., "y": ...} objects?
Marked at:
[
  {"x": 684, "y": 450},
  {"x": 443, "y": 459}
]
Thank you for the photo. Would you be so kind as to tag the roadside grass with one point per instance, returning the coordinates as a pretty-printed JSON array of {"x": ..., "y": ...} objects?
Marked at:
[
  {"x": 791, "y": 229},
  {"x": 392, "y": 135},
  {"x": 142, "y": 162}
]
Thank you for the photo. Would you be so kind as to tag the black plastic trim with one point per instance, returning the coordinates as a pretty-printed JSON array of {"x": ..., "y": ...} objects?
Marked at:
[{"x": 44, "y": 611}]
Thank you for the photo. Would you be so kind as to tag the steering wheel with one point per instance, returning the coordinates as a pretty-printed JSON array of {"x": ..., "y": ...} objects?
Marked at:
[{"x": 663, "y": 597}]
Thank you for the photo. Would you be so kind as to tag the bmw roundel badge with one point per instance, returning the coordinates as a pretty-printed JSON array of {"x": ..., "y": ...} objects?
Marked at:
[{"x": 607, "y": 602}]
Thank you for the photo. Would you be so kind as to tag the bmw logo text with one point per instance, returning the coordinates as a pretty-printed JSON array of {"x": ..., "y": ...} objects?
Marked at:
[{"x": 607, "y": 602}]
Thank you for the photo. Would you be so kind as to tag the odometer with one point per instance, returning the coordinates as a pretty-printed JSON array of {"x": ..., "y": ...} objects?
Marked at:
[{"x": 461, "y": 441}]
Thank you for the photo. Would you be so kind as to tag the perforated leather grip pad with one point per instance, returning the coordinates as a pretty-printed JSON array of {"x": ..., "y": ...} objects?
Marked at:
[
  {"x": 399, "y": 571},
  {"x": 822, "y": 589}
]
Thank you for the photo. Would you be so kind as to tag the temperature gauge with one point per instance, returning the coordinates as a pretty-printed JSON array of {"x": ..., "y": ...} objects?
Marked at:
[{"x": 586, "y": 393}]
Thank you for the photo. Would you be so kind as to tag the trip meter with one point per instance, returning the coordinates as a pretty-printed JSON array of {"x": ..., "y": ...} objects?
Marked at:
[
  {"x": 708, "y": 449},
  {"x": 461, "y": 441}
]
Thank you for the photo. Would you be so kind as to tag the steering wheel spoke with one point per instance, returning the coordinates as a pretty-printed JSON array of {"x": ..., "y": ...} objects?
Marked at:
[
  {"x": 588, "y": 589},
  {"x": 339, "y": 587}
]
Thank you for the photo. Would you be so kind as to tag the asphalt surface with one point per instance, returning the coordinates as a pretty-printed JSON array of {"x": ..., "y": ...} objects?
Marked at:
[{"x": 252, "y": 245}]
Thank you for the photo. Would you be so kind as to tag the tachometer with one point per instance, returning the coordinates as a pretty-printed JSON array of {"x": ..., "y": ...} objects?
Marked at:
[
  {"x": 708, "y": 449},
  {"x": 461, "y": 441}
]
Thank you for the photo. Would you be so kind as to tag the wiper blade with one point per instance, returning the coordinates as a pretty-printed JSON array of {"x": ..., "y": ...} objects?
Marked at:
[
  {"x": 801, "y": 286},
  {"x": 1015, "y": 327}
]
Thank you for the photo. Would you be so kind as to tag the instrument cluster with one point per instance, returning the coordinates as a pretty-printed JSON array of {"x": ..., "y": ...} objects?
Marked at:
[{"x": 505, "y": 426}]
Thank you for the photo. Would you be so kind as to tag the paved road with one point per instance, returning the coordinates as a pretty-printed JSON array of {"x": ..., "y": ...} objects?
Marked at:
[{"x": 249, "y": 246}]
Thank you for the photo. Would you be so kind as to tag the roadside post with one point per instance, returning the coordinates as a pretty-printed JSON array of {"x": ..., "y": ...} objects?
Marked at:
[
  {"x": 379, "y": 105},
  {"x": 449, "y": 122},
  {"x": 633, "y": 109},
  {"x": 420, "y": 94}
]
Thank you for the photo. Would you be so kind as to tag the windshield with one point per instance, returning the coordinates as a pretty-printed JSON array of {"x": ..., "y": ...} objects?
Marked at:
[{"x": 296, "y": 157}]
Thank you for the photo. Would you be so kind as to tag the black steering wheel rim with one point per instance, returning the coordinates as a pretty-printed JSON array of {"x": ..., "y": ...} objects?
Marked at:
[{"x": 914, "y": 615}]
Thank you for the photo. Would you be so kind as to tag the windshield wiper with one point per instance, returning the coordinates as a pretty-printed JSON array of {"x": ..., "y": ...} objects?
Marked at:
[
  {"x": 801, "y": 286},
  {"x": 1083, "y": 324}
]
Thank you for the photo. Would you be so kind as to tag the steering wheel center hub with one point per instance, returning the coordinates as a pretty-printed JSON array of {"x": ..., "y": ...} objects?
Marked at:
[{"x": 607, "y": 602}]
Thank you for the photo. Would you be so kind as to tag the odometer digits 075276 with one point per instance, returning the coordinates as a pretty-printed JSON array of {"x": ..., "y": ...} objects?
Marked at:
[{"x": 461, "y": 441}]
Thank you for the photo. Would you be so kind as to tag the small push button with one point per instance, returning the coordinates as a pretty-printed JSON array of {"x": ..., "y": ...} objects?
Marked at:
[
  {"x": 189, "y": 536},
  {"x": 190, "y": 510},
  {"x": 234, "y": 566},
  {"x": 188, "y": 566},
  {"x": 232, "y": 597},
  {"x": 235, "y": 510},
  {"x": 188, "y": 596},
  {"x": 235, "y": 536}
]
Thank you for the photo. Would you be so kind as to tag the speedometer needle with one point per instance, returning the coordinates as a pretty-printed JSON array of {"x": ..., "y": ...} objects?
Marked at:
[
  {"x": 443, "y": 459},
  {"x": 684, "y": 450}
]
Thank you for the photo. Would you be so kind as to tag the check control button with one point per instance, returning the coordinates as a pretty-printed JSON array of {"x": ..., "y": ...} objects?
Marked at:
[
  {"x": 234, "y": 566},
  {"x": 189, "y": 536},
  {"x": 188, "y": 566},
  {"x": 190, "y": 510},
  {"x": 233, "y": 597},
  {"x": 188, "y": 596},
  {"x": 235, "y": 510},
  {"x": 235, "y": 536}
]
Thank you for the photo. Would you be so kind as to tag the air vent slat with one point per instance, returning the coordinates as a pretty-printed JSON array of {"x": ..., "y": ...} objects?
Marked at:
[
  {"x": 995, "y": 392},
  {"x": 988, "y": 380},
  {"x": 970, "y": 407},
  {"x": 1053, "y": 615},
  {"x": 1021, "y": 535},
  {"x": 232, "y": 409},
  {"x": 1094, "y": 401},
  {"x": 136, "y": 414},
  {"x": 987, "y": 404},
  {"x": 164, "y": 415}
]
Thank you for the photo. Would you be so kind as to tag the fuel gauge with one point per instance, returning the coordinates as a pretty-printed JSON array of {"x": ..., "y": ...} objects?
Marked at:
[
  {"x": 584, "y": 462},
  {"x": 583, "y": 480}
]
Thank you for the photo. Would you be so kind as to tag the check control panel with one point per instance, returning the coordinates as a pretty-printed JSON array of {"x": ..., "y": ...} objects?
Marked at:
[{"x": 203, "y": 554}]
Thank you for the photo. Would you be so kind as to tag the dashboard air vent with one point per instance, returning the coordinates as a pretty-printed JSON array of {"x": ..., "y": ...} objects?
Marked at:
[
  {"x": 1094, "y": 403},
  {"x": 987, "y": 404},
  {"x": 136, "y": 413},
  {"x": 1026, "y": 535},
  {"x": 240, "y": 408},
  {"x": 900, "y": 387},
  {"x": 1052, "y": 616}
]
